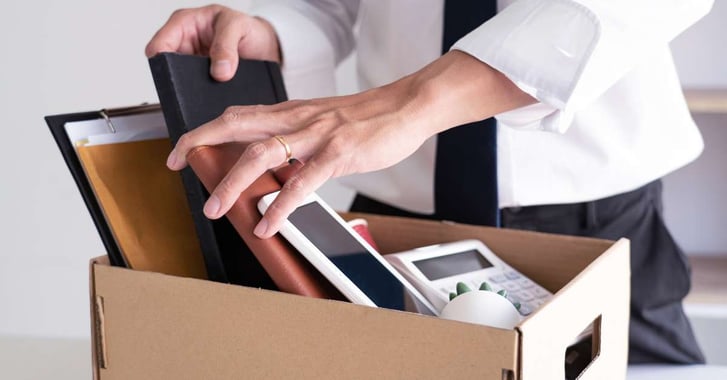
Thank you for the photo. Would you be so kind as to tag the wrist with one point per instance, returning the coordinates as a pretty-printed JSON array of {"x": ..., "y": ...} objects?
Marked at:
[{"x": 458, "y": 89}]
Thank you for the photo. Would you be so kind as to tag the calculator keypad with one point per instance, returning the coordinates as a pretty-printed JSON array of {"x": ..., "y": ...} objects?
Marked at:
[{"x": 519, "y": 288}]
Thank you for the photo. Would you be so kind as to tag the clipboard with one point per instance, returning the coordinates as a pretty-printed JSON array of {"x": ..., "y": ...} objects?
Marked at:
[
  {"x": 117, "y": 159},
  {"x": 57, "y": 124},
  {"x": 223, "y": 255},
  {"x": 226, "y": 256}
]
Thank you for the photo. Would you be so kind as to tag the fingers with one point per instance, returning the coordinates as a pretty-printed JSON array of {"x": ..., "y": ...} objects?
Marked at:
[
  {"x": 255, "y": 160},
  {"x": 322, "y": 132},
  {"x": 169, "y": 37},
  {"x": 187, "y": 31},
  {"x": 230, "y": 29},
  {"x": 239, "y": 124},
  {"x": 211, "y": 30},
  {"x": 305, "y": 181},
  {"x": 259, "y": 157}
]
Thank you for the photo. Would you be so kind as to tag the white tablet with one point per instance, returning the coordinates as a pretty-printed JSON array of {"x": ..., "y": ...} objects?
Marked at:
[{"x": 346, "y": 259}]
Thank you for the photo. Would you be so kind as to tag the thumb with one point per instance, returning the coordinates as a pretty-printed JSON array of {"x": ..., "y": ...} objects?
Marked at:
[{"x": 224, "y": 48}]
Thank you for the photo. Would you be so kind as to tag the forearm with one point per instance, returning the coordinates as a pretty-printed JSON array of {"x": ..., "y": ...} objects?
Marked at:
[{"x": 458, "y": 89}]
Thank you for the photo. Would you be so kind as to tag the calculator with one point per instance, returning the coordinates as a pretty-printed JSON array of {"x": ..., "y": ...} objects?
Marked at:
[{"x": 435, "y": 271}]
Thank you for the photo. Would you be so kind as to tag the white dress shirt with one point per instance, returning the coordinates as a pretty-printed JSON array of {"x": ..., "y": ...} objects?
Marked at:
[{"x": 611, "y": 115}]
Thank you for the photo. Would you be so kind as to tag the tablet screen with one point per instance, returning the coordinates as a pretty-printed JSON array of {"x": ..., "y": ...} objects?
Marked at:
[{"x": 349, "y": 256}]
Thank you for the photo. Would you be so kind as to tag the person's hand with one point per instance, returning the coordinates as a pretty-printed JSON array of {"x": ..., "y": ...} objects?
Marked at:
[
  {"x": 349, "y": 134},
  {"x": 220, "y": 32}
]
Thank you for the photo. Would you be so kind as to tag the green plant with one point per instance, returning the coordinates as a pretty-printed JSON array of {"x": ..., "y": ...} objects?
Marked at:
[{"x": 463, "y": 288}]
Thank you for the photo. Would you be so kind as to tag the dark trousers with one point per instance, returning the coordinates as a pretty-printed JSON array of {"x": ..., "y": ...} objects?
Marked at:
[{"x": 659, "y": 331}]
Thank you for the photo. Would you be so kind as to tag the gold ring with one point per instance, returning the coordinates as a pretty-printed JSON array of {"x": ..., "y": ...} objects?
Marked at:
[{"x": 288, "y": 152}]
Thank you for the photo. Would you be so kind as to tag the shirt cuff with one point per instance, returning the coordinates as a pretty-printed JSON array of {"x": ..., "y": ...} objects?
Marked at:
[
  {"x": 308, "y": 57},
  {"x": 542, "y": 47},
  {"x": 567, "y": 53}
]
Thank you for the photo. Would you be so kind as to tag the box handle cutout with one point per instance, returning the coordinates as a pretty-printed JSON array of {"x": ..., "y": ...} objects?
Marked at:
[
  {"x": 99, "y": 331},
  {"x": 508, "y": 374},
  {"x": 584, "y": 351}
]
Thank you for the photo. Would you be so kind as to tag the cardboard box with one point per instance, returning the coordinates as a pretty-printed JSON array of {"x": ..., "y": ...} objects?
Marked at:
[{"x": 153, "y": 326}]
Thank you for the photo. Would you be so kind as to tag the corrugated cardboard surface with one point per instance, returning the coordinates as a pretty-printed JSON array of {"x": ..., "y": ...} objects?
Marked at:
[
  {"x": 601, "y": 292},
  {"x": 154, "y": 326},
  {"x": 550, "y": 260}
]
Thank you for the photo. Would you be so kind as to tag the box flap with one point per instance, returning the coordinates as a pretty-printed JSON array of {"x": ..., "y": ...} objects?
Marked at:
[{"x": 566, "y": 256}]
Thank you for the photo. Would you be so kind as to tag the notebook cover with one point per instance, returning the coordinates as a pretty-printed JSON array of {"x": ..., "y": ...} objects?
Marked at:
[
  {"x": 56, "y": 125},
  {"x": 290, "y": 271},
  {"x": 190, "y": 97}
]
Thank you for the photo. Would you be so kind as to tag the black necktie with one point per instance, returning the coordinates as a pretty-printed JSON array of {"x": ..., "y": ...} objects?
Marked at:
[{"x": 465, "y": 177}]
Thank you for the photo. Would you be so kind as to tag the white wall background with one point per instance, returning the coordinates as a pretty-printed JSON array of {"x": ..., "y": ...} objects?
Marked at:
[
  {"x": 79, "y": 55},
  {"x": 60, "y": 57},
  {"x": 700, "y": 52},
  {"x": 695, "y": 197}
]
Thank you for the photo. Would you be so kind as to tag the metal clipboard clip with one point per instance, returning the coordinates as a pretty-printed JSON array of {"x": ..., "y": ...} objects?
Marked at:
[{"x": 108, "y": 113}]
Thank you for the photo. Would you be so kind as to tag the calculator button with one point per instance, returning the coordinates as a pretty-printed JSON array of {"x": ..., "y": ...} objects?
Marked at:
[
  {"x": 540, "y": 292},
  {"x": 525, "y": 295},
  {"x": 525, "y": 283},
  {"x": 510, "y": 286},
  {"x": 498, "y": 278},
  {"x": 512, "y": 275}
]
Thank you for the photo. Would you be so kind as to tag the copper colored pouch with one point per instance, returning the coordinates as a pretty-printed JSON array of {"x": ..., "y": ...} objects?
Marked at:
[{"x": 290, "y": 271}]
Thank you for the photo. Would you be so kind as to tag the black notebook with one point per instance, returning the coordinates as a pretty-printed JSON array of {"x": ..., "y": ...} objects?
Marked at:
[{"x": 190, "y": 97}]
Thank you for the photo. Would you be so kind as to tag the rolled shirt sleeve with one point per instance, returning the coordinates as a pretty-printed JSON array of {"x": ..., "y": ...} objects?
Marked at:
[{"x": 566, "y": 53}]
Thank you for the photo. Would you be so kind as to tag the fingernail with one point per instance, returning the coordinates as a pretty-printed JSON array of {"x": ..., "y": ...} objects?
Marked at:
[
  {"x": 261, "y": 228},
  {"x": 221, "y": 69},
  {"x": 212, "y": 206},
  {"x": 172, "y": 160}
]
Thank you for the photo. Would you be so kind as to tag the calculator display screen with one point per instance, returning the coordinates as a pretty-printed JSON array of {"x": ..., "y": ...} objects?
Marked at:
[{"x": 450, "y": 265}]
